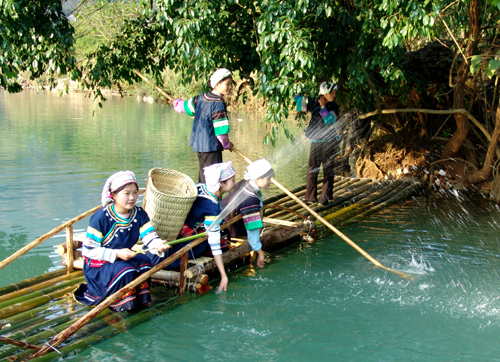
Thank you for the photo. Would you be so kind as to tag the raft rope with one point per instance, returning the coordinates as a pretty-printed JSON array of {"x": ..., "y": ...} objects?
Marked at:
[{"x": 54, "y": 348}]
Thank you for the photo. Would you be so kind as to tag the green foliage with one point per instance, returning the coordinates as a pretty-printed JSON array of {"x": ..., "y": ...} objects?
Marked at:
[
  {"x": 35, "y": 36},
  {"x": 287, "y": 46}
]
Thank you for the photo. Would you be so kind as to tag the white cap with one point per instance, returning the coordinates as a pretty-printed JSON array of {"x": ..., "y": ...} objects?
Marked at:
[
  {"x": 219, "y": 75},
  {"x": 258, "y": 169},
  {"x": 326, "y": 88}
]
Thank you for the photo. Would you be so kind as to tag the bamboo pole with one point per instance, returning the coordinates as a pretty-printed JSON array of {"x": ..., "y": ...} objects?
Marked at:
[
  {"x": 35, "y": 328},
  {"x": 62, "y": 248},
  {"x": 270, "y": 238},
  {"x": 69, "y": 247},
  {"x": 49, "y": 332},
  {"x": 169, "y": 98},
  {"x": 29, "y": 317},
  {"x": 39, "y": 286},
  {"x": 32, "y": 303},
  {"x": 330, "y": 226},
  {"x": 39, "y": 293},
  {"x": 113, "y": 298},
  {"x": 46, "y": 236},
  {"x": 31, "y": 281},
  {"x": 19, "y": 343}
]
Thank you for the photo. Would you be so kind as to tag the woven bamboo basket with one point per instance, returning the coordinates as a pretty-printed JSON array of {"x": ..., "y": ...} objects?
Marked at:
[{"x": 168, "y": 199}]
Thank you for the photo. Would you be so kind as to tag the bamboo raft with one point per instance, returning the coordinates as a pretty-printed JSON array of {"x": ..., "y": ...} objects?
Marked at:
[{"x": 38, "y": 311}]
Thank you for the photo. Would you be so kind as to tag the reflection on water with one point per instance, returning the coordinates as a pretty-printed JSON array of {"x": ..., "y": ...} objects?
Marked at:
[
  {"x": 55, "y": 156},
  {"x": 312, "y": 302}
]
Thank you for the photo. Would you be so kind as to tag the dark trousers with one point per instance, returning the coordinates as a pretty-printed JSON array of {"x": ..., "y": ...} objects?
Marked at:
[
  {"x": 206, "y": 159},
  {"x": 321, "y": 153}
]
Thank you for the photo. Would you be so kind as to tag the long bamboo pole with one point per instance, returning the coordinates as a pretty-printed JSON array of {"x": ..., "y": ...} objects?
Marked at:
[
  {"x": 51, "y": 233},
  {"x": 153, "y": 85},
  {"x": 40, "y": 286},
  {"x": 330, "y": 226},
  {"x": 61, "y": 337},
  {"x": 19, "y": 343},
  {"x": 46, "y": 236}
]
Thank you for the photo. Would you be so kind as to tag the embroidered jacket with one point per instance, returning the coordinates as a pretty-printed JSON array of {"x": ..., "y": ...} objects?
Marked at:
[
  {"x": 322, "y": 126},
  {"x": 204, "y": 211},
  {"x": 108, "y": 231}
]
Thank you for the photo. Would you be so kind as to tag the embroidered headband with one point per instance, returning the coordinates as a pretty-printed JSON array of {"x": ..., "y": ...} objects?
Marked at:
[{"x": 216, "y": 173}]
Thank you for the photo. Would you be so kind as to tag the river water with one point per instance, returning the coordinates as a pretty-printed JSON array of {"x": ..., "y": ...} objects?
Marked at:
[{"x": 312, "y": 302}]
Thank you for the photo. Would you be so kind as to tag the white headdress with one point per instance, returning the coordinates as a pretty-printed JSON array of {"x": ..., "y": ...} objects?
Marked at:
[
  {"x": 326, "y": 88},
  {"x": 114, "y": 182},
  {"x": 219, "y": 75},
  {"x": 216, "y": 173},
  {"x": 258, "y": 169}
]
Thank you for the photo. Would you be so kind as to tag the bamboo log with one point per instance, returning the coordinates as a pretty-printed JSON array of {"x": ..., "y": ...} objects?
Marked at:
[
  {"x": 331, "y": 227},
  {"x": 105, "y": 333},
  {"x": 31, "y": 281},
  {"x": 113, "y": 298},
  {"x": 62, "y": 248},
  {"x": 69, "y": 246},
  {"x": 200, "y": 288},
  {"x": 358, "y": 209},
  {"x": 47, "y": 333},
  {"x": 32, "y": 303},
  {"x": 6, "y": 351},
  {"x": 374, "y": 196},
  {"x": 39, "y": 293},
  {"x": 279, "y": 235},
  {"x": 408, "y": 190},
  {"x": 275, "y": 198},
  {"x": 339, "y": 195},
  {"x": 78, "y": 263},
  {"x": 174, "y": 276},
  {"x": 19, "y": 343},
  {"x": 40, "y": 286},
  {"x": 34, "y": 329},
  {"x": 344, "y": 213},
  {"x": 28, "y": 317}
]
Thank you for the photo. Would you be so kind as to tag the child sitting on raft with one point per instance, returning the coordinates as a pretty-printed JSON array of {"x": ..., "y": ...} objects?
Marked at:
[
  {"x": 219, "y": 180},
  {"x": 209, "y": 135},
  {"x": 110, "y": 264},
  {"x": 248, "y": 203}
]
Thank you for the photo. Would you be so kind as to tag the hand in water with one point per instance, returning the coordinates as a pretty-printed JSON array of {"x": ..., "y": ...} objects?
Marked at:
[
  {"x": 260, "y": 259},
  {"x": 223, "y": 285}
]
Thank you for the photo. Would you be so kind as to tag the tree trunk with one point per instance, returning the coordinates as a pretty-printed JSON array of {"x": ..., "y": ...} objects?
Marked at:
[
  {"x": 462, "y": 131},
  {"x": 485, "y": 173}
]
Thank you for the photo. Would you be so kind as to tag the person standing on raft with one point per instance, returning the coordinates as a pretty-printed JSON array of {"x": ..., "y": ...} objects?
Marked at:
[
  {"x": 219, "y": 180},
  {"x": 324, "y": 141},
  {"x": 249, "y": 203},
  {"x": 209, "y": 135},
  {"x": 110, "y": 264}
]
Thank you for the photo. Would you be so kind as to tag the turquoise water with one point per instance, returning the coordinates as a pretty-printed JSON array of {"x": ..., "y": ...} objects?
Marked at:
[
  {"x": 326, "y": 302},
  {"x": 312, "y": 302}
]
